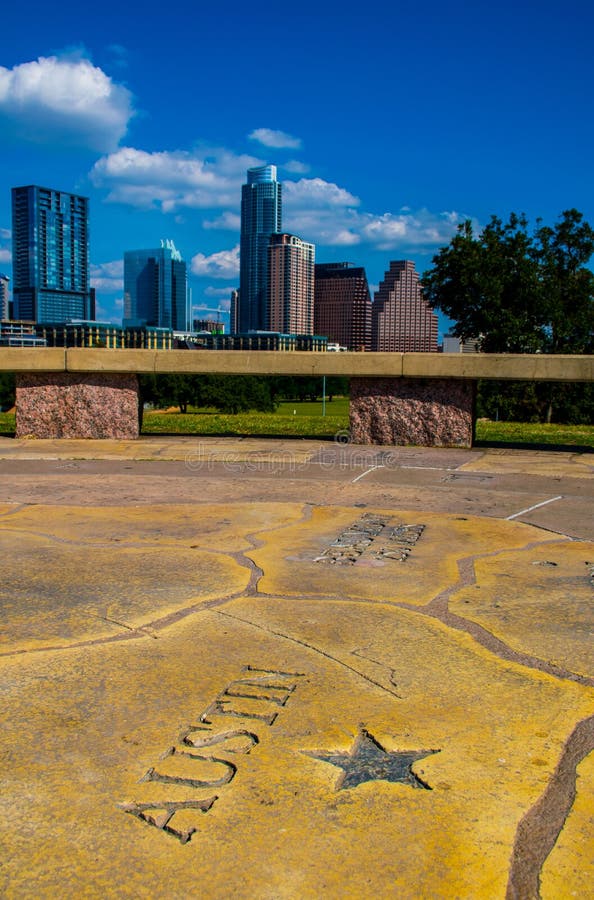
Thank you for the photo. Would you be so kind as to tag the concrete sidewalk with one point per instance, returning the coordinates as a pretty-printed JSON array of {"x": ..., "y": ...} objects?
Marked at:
[{"x": 279, "y": 669}]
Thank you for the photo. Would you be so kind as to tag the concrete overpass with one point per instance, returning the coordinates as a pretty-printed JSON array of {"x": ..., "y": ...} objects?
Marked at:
[{"x": 396, "y": 398}]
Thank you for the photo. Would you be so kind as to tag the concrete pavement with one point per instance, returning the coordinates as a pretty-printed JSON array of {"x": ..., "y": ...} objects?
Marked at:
[{"x": 289, "y": 669}]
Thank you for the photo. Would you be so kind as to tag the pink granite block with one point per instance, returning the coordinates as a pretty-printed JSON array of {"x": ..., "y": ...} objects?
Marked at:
[
  {"x": 422, "y": 411},
  {"x": 71, "y": 405}
]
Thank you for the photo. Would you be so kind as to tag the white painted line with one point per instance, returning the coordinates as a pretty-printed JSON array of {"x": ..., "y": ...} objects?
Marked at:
[
  {"x": 428, "y": 468},
  {"x": 530, "y": 508},
  {"x": 363, "y": 474}
]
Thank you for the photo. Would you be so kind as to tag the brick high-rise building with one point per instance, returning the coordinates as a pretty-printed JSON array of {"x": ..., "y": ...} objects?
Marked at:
[
  {"x": 342, "y": 305},
  {"x": 290, "y": 285},
  {"x": 401, "y": 319}
]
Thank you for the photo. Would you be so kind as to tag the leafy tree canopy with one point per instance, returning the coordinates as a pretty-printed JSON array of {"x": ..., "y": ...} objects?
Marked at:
[{"x": 517, "y": 290}]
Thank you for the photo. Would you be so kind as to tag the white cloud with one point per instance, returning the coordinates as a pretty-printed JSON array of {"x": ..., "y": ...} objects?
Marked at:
[
  {"x": 172, "y": 180},
  {"x": 317, "y": 210},
  {"x": 279, "y": 140},
  {"x": 224, "y": 264},
  {"x": 65, "y": 100},
  {"x": 201, "y": 308},
  {"x": 315, "y": 192},
  {"x": 229, "y": 221},
  {"x": 5, "y": 253},
  {"x": 323, "y": 226},
  {"x": 296, "y": 168},
  {"x": 111, "y": 312},
  {"x": 108, "y": 277},
  {"x": 409, "y": 229},
  {"x": 217, "y": 292}
]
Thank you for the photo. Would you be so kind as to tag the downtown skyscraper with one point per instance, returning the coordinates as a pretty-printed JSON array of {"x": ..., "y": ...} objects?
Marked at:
[
  {"x": 50, "y": 250},
  {"x": 290, "y": 284},
  {"x": 156, "y": 288},
  {"x": 343, "y": 305},
  {"x": 401, "y": 319},
  {"x": 261, "y": 216}
]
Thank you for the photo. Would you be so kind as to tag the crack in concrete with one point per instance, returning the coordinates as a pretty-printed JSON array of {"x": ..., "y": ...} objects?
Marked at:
[
  {"x": 308, "y": 646},
  {"x": 438, "y": 608},
  {"x": 240, "y": 557},
  {"x": 539, "y": 829}
]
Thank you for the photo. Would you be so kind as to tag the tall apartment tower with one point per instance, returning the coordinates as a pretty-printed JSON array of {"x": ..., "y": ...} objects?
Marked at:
[
  {"x": 234, "y": 312},
  {"x": 290, "y": 292},
  {"x": 401, "y": 318},
  {"x": 342, "y": 308},
  {"x": 156, "y": 288},
  {"x": 261, "y": 216},
  {"x": 4, "y": 297},
  {"x": 50, "y": 259}
]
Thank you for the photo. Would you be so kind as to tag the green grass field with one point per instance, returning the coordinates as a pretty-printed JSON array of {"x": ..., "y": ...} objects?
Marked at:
[{"x": 306, "y": 420}]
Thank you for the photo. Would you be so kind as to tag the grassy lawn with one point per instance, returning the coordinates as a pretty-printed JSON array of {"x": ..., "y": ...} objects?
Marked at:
[
  {"x": 291, "y": 419},
  {"x": 305, "y": 420},
  {"x": 534, "y": 434}
]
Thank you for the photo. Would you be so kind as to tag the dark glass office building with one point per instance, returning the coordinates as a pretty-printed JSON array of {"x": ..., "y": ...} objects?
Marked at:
[
  {"x": 50, "y": 240},
  {"x": 261, "y": 216},
  {"x": 343, "y": 305},
  {"x": 156, "y": 288}
]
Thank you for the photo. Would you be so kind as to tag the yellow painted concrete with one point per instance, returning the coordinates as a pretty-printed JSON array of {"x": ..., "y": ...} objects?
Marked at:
[
  {"x": 86, "y": 726},
  {"x": 538, "y": 600},
  {"x": 290, "y": 567},
  {"x": 197, "y": 452},
  {"x": 81, "y": 573},
  {"x": 243, "y": 686},
  {"x": 554, "y": 464},
  {"x": 569, "y": 870}
]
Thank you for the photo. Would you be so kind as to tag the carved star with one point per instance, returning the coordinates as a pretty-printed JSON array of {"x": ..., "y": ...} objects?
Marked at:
[{"x": 369, "y": 761}]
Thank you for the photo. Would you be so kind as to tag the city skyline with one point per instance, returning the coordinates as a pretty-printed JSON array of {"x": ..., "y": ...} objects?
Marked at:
[{"x": 480, "y": 111}]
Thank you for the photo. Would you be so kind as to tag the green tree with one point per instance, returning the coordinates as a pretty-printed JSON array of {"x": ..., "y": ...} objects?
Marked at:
[
  {"x": 562, "y": 253},
  {"x": 237, "y": 393},
  {"x": 489, "y": 285},
  {"x": 7, "y": 390},
  {"x": 520, "y": 292}
]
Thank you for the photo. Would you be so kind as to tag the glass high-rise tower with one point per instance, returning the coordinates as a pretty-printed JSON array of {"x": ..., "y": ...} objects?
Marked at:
[
  {"x": 50, "y": 240},
  {"x": 156, "y": 288},
  {"x": 261, "y": 216}
]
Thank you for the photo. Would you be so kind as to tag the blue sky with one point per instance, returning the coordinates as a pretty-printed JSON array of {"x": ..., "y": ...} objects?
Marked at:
[{"x": 389, "y": 123}]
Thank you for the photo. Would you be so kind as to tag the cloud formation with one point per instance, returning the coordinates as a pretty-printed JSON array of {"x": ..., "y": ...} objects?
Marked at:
[
  {"x": 224, "y": 264},
  {"x": 279, "y": 140},
  {"x": 228, "y": 221},
  {"x": 317, "y": 210},
  {"x": 5, "y": 253},
  {"x": 66, "y": 101},
  {"x": 108, "y": 277},
  {"x": 316, "y": 193},
  {"x": 172, "y": 180},
  {"x": 211, "y": 291}
]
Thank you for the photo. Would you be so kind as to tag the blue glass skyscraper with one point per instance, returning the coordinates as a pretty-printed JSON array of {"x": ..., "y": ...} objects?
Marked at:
[
  {"x": 261, "y": 216},
  {"x": 156, "y": 288},
  {"x": 50, "y": 240}
]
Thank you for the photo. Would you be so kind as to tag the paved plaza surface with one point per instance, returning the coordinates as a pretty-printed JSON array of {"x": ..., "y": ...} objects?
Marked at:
[{"x": 295, "y": 669}]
